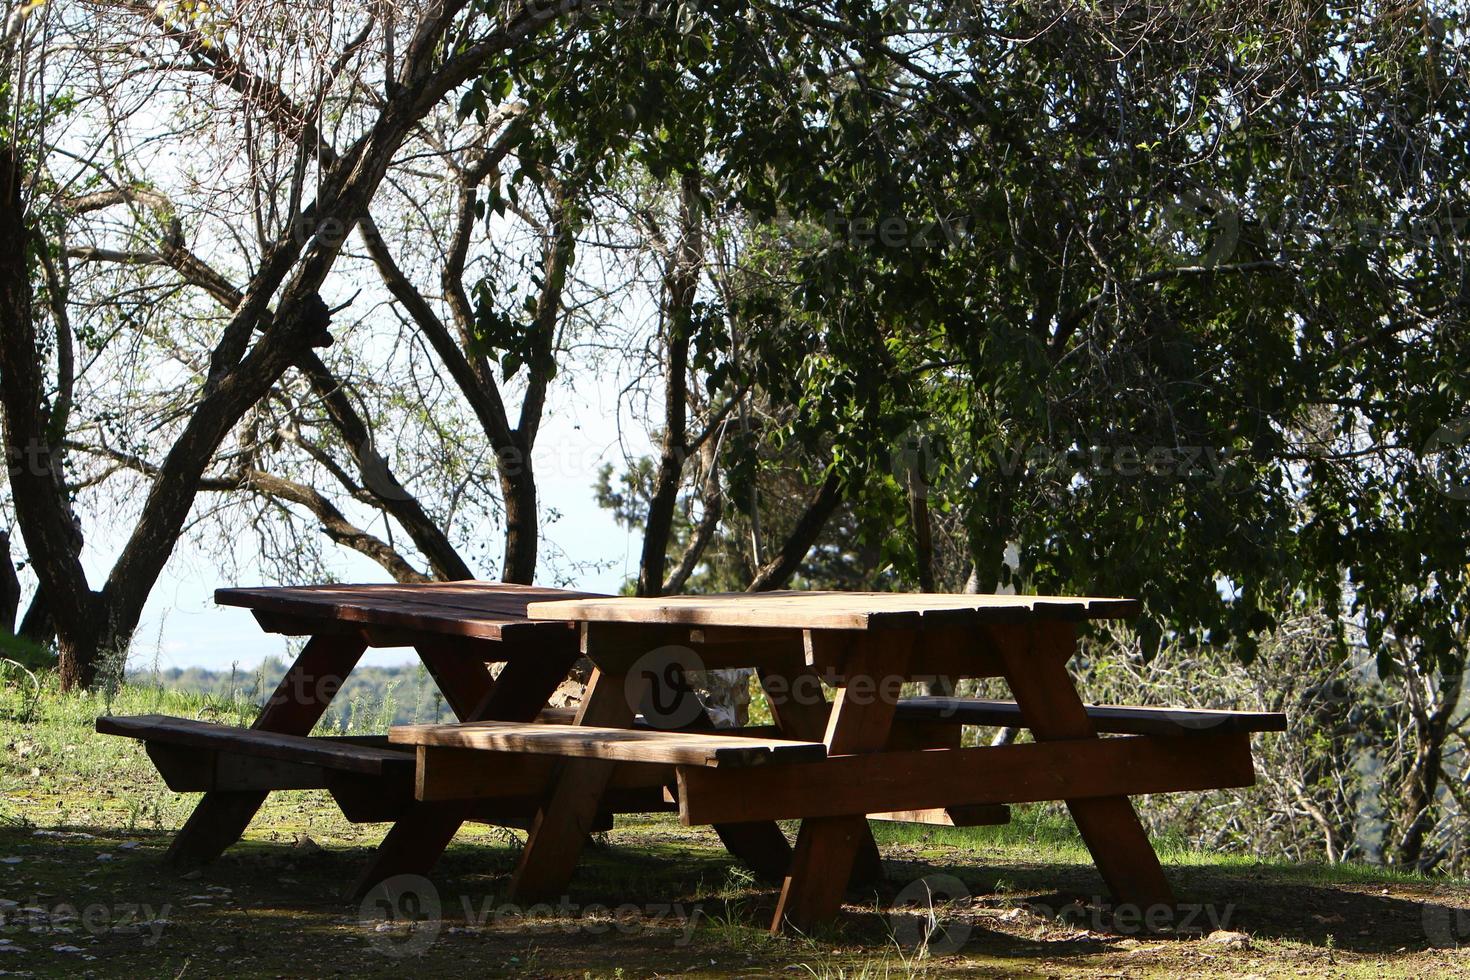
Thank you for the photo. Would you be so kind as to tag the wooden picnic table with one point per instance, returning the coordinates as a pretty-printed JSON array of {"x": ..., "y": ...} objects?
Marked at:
[
  {"x": 459, "y": 631},
  {"x": 640, "y": 740},
  {"x": 867, "y": 753}
]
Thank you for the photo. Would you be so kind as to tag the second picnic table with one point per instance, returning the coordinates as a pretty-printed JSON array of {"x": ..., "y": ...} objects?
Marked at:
[{"x": 869, "y": 753}]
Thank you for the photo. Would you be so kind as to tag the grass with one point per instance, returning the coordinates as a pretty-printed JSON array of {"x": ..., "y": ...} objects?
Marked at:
[{"x": 88, "y": 820}]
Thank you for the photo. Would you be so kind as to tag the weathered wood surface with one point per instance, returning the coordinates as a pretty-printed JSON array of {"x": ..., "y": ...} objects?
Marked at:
[
  {"x": 1035, "y": 772},
  {"x": 328, "y": 753},
  {"x": 1037, "y": 674},
  {"x": 828, "y": 844},
  {"x": 833, "y": 610},
  {"x": 484, "y": 610},
  {"x": 619, "y": 744},
  {"x": 1110, "y": 718}
]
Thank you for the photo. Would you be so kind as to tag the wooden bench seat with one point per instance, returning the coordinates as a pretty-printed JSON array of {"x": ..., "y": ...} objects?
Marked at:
[
  {"x": 370, "y": 780},
  {"x": 1107, "y": 718},
  {"x": 370, "y": 757},
  {"x": 616, "y": 744}
]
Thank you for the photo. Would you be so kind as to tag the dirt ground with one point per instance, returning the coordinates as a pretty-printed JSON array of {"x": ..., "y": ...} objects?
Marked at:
[{"x": 655, "y": 899}]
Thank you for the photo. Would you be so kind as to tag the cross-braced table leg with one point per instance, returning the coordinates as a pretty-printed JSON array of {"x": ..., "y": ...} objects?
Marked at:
[
  {"x": 416, "y": 841},
  {"x": 859, "y": 721},
  {"x": 1035, "y": 659},
  {"x": 801, "y": 712},
  {"x": 565, "y": 818},
  {"x": 297, "y": 705},
  {"x": 759, "y": 845}
]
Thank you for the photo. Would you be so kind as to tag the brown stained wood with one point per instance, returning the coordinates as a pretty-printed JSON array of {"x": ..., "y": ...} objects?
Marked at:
[
  {"x": 203, "y": 735},
  {"x": 1085, "y": 768},
  {"x": 619, "y": 744},
  {"x": 461, "y": 774},
  {"x": 857, "y": 726},
  {"x": 1112, "y": 719},
  {"x": 293, "y": 709},
  {"x": 833, "y": 610},
  {"x": 413, "y": 845},
  {"x": 798, "y": 705},
  {"x": 365, "y": 800},
  {"x": 460, "y": 674},
  {"x": 566, "y": 816},
  {"x": 1037, "y": 674},
  {"x": 487, "y": 610},
  {"x": 954, "y": 816},
  {"x": 760, "y": 845}
]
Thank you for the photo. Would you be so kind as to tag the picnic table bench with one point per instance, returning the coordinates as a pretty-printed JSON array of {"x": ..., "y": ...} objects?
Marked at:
[
  {"x": 885, "y": 756},
  {"x": 639, "y": 741}
]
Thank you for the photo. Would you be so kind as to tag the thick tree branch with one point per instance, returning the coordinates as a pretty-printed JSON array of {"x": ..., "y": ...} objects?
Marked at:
[{"x": 776, "y": 573}]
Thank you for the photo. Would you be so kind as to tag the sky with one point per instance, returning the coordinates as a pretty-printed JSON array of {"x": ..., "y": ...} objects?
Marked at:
[{"x": 183, "y": 627}]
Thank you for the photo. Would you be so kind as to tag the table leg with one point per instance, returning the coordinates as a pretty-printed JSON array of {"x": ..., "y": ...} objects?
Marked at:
[
  {"x": 827, "y": 847},
  {"x": 294, "y": 709},
  {"x": 563, "y": 822},
  {"x": 414, "y": 844},
  {"x": 1036, "y": 669},
  {"x": 800, "y": 711},
  {"x": 759, "y": 845}
]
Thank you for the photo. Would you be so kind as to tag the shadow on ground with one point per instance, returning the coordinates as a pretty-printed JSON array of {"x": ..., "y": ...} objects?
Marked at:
[{"x": 647, "y": 901}]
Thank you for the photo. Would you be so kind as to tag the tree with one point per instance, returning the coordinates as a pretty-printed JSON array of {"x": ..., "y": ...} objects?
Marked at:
[{"x": 314, "y": 202}]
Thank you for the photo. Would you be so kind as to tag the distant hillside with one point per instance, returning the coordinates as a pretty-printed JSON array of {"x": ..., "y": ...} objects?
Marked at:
[{"x": 371, "y": 699}]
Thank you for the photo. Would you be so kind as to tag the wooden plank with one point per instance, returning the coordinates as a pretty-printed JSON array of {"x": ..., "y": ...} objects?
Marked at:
[
  {"x": 1037, "y": 675},
  {"x": 461, "y": 774},
  {"x": 294, "y": 709},
  {"x": 465, "y": 681},
  {"x": 192, "y": 770},
  {"x": 489, "y": 610},
  {"x": 618, "y": 744},
  {"x": 565, "y": 818},
  {"x": 328, "y": 753},
  {"x": 827, "y": 846},
  {"x": 1112, "y": 719},
  {"x": 954, "y": 816},
  {"x": 833, "y": 610},
  {"x": 415, "y": 842},
  {"x": 1034, "y": 772},
  {"x": 794, "y": 692}
]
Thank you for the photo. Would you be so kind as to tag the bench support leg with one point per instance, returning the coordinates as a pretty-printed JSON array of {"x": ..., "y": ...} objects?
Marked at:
[
  {"x": 800, "y": 712},
  {"x": 1036, "y": 669},
  {"x": 827, "y": 848},
  {"x": 294, "y": 709},
  {"x": 417, "y": 840},
  {"x": 564, "y": 820}
]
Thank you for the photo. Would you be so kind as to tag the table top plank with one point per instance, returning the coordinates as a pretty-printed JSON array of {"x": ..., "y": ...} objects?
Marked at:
[
  {"x": 833, "y": 610},
  {"x": 482, "y": 610}
]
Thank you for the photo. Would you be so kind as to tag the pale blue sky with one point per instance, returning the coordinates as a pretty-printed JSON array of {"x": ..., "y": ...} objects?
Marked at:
[{"x": 183, "y": 627}]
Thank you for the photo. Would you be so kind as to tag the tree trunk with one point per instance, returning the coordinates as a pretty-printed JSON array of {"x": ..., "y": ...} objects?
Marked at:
[
  {"x": 41, "y": 507},
  {"x": 681, "y": 282},
  {"x": 918, "y": 493},
  {"x": 777, "y": 573},
  {"x": 518, "y": 488},
  {"x": 9, "y": 588},
  {"x": 1422, "y": 784}
]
